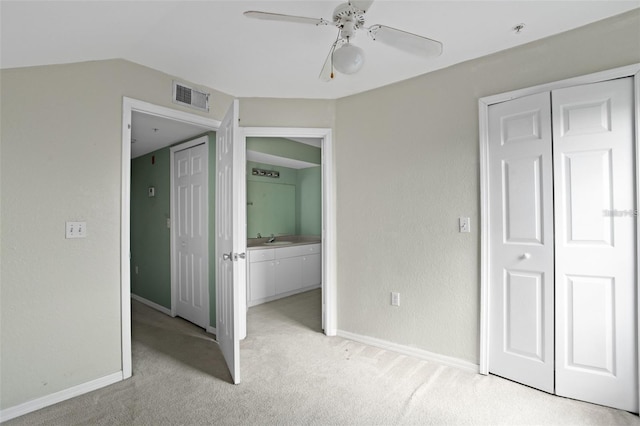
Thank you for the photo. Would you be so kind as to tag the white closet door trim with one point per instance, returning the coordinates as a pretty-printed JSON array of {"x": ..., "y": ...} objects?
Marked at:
[
  {"x": 485, "y": 231},
  {"x": 636, "y": 103}
]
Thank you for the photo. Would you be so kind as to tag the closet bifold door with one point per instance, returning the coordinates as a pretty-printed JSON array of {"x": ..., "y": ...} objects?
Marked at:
[
  {"x": 521, "y": 242},
  {"x": 595, "y": 282}
]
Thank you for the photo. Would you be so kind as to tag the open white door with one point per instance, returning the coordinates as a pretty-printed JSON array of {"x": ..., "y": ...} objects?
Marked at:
[{"x": 230, "y": 241}]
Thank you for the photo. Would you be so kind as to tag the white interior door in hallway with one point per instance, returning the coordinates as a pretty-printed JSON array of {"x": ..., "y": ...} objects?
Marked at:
[
  {"x": 190, "y": 180},
  {"x": 230, "y": 240},
  {"x": 563, "y": 261}
]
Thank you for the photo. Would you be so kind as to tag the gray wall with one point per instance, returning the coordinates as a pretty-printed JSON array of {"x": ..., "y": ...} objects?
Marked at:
[
  {"x": 425, "y": 134},
  {"x": 61, "y": 160}
]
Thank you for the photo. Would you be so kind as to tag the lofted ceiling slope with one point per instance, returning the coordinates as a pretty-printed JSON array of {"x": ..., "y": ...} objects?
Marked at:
[{"x": 213, "y": 44}]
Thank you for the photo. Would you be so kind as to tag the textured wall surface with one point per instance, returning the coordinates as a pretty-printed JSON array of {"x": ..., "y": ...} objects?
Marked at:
[
  {"x": 61, "y": 161},
  {"x": 270, "y": 112},
  {"x": 61, "y": 130},
  {"x": 398, "y": 209}
]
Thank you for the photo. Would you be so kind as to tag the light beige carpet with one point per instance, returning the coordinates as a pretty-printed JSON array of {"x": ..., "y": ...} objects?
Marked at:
[{"x": 293, "y": 374}]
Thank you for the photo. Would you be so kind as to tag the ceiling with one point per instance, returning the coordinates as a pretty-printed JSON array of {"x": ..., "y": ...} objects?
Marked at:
[
  {"x": 150, "y": 132},
  {"x": 261, "y": 157},
  {"x": 211, "y": 43}
]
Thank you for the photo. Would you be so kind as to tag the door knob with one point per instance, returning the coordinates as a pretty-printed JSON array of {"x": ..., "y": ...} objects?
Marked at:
[
  {"x": 226, "y": 256},
  {"x": 240, "y": 255},
  {"x": 526, "y": 256}
]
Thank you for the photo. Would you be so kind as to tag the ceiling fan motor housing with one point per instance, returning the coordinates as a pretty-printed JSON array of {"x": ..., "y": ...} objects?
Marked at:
[{"x": 348, "y": 18}]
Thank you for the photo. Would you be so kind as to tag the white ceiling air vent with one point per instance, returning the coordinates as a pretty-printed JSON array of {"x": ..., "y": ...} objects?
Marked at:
[{"x": 185, "y": 95}]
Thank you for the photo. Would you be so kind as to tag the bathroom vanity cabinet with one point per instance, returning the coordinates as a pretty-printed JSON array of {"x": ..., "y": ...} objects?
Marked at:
[{"x": 279, "y": 272}]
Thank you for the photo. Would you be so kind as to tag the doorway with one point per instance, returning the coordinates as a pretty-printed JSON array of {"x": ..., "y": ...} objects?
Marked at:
[
  {"x": 327, "y": 230},
  {"x": 153, "y": 113},
  {"x": 284, "y": 218},
  {"x": 559, "y": 289},
  {"x": 131, "y": 106}
]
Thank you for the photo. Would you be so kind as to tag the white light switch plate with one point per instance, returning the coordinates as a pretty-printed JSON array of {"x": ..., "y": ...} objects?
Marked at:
[
  {"x": 464, "y": 224},
  {"x": 395, "y": 298},
  {"x": 76, "y": 230}
]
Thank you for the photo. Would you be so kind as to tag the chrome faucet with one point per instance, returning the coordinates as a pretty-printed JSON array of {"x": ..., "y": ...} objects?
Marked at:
[
  {"x": 259, "y": 236},
  {"x": 272, "y": 238}
]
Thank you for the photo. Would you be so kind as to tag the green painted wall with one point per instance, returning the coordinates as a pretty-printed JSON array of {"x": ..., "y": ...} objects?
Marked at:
[
  {"x": 309, "y": 201},
  {"x": 150, "y": 250},
  {"x": 287, "y": 148},
  {"x": 150, "y": 237}
]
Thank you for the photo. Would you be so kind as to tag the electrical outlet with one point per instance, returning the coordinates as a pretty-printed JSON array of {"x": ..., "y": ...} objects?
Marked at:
[
  {"x": 395, "y": 298},
  {"x": 76, "y": 230}
]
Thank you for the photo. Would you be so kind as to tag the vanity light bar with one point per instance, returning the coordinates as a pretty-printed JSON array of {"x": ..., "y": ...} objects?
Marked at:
[{"x": 267, "y": 173}]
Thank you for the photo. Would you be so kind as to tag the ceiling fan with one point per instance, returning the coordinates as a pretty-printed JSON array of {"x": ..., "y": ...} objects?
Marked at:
[{"x": 348, "y": 18}]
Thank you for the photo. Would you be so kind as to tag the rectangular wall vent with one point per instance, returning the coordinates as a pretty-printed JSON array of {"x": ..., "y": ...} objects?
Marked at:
[{"x": 188, "y": 96}]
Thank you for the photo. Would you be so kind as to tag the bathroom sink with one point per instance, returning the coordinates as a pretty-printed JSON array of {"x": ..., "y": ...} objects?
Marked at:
[{"x": 278, "y": 243}]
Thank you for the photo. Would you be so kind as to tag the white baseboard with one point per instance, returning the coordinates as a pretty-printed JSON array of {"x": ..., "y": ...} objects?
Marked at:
[
  {"x": 54, "y": 398},
  {"x": 408, "y": 350},
  {"x": 151, "y": 304},
  {"x": 212, "y": 330}
]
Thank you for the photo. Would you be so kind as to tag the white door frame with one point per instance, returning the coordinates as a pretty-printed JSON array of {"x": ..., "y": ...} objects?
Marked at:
[
  {"x": 485, "y": 231},
  {"x": 329, "y": 287},
  {"x": 202, "y": 140},
  {"x": 130, "y": 105}
]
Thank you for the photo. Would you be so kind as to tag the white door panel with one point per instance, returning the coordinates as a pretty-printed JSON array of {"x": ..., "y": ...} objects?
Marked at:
[
  {"x": 596, "y": 337},
  {"x": 524, "y": 314},
  {"x": 585, "y": 220},
  {"x": 228, "y": 294},
  {"x": 521, "y": 220},
  {"x": 522, "y": 203},
  {"x": 190, "y": 189}
]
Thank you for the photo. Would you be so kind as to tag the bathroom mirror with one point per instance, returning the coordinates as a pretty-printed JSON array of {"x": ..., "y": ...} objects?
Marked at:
[
  {"x": 271, "y": 209},
  {"x": 284, "y": 187}
]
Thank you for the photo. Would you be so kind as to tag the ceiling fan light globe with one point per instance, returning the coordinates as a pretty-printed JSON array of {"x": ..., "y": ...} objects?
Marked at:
[{"x": 348, "y": 59}]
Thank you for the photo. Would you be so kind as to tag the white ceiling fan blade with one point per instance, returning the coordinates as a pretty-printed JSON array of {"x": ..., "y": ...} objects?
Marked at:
[
  {"x": 408, "y": 42},
  {"x": 268, "y": 16},
  {"x": 362, "y": 5}
]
